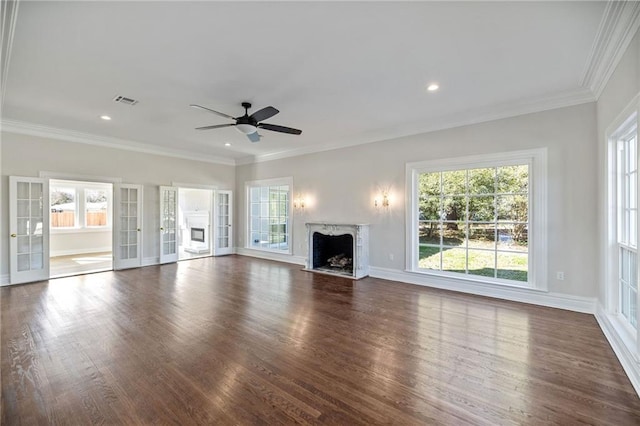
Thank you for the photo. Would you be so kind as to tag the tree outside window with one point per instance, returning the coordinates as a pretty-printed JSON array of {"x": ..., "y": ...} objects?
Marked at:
[{"x": 63, "y": 207}]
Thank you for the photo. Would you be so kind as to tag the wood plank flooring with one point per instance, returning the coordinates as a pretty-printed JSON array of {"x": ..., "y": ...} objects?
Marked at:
[
  {"x": 235, "y": 340},
  {"x": 60, "y": 266}
]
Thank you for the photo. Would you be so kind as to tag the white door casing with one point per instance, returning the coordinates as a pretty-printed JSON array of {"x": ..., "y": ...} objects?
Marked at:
[{"x": 28, "y": 229}]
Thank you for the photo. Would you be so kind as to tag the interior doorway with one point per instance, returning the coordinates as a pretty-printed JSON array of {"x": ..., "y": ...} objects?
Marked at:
[
  {"x": 81, "y": 228},
  {"x": 195, "y": 220}
]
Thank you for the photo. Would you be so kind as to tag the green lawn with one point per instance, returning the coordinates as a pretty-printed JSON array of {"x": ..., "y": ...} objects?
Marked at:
[{"x": 511, "y": 266}]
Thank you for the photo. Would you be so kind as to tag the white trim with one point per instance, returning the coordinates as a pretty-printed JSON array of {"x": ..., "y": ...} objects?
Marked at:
[
  {"x": 515, "y": 294},
  {"x": 625, "y": 356},
  {"x": 150, "y": 261},
  {"x": 627, "y": 119},
  {"x": 450, "y": 121},
  {"x": 619, "y": 24},
  {"x": 8, "y": 21},
  {"x": 278, "y": 257},
  {"x": 5, "y": 280},
  {"x": 82, "y": 178},
  {"x": 537, "y": 161},
  {"x": 194, "y": 186},
  {"x": 24, "y": 128},
  {"x": 79, "y": 251}
]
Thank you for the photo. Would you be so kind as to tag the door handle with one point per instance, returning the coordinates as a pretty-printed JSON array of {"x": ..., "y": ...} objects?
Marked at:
[
  {"x": 13, "y": 235},
  {"x": 138, "y": 229},
  {"x": 161, "y": 228}
]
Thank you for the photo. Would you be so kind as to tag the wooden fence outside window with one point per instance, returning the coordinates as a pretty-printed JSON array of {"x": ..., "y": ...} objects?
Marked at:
[{"x": 66, "y": 219}]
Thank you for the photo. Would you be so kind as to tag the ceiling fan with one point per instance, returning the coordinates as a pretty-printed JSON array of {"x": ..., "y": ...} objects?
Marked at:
[{"x": 249, "y": 124}]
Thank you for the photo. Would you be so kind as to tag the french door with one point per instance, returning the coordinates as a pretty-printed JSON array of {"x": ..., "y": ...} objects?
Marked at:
[
  {"x": 223, "y": 229},
  {"x": 128, "y": 226},
  {"x": 29, "y": 229},
  {"x": 168, "y": 224}
]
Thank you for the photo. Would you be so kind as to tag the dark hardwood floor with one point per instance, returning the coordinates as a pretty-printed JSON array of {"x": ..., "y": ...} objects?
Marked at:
[{"x": 235, "y": 340}]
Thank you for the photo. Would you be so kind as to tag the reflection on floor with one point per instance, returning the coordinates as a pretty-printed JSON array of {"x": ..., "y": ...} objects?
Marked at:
[
  {"x": 183, "y": 255},
  {"x": 61, "y": 266}
]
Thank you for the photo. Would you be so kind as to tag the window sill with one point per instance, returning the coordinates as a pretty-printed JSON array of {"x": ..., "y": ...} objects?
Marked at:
[
  {"x": 288, "y": 252},
  {"x": 78, "y": 230},
  {"x": 477, "y": 279}
]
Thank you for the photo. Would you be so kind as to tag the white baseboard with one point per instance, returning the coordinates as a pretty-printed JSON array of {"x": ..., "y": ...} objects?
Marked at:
[
  {"x": 286, "y": 258},
  {"x": 149, "y": 261},
  {"x": 536, "y": 297},
  {"x": 77, "y": 251},
  {"x": 626, "y": 357},
  {"x": 4, "y": 280}
]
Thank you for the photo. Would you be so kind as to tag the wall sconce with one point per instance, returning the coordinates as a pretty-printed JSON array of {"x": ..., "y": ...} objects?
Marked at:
[
  {"x": 298, "y": 202},
  {"x": 382, "y": 200}
]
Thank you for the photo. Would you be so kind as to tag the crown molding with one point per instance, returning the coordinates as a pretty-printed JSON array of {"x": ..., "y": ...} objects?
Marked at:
[
  {"x": 31, "y": 129},
  {"x": 619, "y": 24},
  {"x": 465, "y": 118},
  {"x": 8, "y": 28}
]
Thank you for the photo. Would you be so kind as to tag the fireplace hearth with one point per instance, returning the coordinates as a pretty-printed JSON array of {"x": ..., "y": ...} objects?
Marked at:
[{"x": 338, "y": 249}]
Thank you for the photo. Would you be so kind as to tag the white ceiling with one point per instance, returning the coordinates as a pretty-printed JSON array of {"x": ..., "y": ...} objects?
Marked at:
[{"x": 344, "y": 73}]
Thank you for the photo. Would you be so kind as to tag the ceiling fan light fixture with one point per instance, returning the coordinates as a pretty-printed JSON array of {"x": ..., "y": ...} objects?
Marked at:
[{"x": 247, "y": 129}]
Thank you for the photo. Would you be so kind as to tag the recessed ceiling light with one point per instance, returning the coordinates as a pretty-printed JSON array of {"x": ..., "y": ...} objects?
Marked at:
[
  {"x": 105, "y": 117},
  {"x": 227, "y": 144},
  {"x": 433, "y": 87}
]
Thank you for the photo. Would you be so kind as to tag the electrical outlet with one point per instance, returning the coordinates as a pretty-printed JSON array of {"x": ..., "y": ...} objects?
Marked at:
[
  {"x": 560, "y": 276},
  {"x": 390, "y": 256}
]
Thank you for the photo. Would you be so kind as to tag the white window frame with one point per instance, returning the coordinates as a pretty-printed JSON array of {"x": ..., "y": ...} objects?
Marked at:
[
  {"x": 537, "y": 238},
  {"x": 621, "y": 126},
  {"x": 261, "y": 183},
  {"x": 81, "y": 207}
]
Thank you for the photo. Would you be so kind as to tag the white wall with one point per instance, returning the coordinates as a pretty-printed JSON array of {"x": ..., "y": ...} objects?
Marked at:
[
  {"x": 28, "y": 155},
  {"x": 194, "y": 199},
  {"x": 341, "y": 185},
  {"x": 82, "y": 241}
]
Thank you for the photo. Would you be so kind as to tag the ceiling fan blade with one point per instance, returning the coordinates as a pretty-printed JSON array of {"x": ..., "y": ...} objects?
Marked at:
[
  {"x": 254, "y": 137},
  {"x": 264, "y": 113},
  {"x": 215, "y": 126},
  {"x": 221, "y": 114},
  {"x": 281, "y": 129}
]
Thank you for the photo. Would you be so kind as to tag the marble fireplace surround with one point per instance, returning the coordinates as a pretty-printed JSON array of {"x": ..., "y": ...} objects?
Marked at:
[{"x": 360, "y": 238}]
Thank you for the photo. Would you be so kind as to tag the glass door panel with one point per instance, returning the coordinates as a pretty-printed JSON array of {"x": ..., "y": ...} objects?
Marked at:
[
  {"x": 29, "y": 223},
  {"x": 128, "y": 243},
  {"x": 223, "y": 235},
  {"x": 168, "y": 224}
]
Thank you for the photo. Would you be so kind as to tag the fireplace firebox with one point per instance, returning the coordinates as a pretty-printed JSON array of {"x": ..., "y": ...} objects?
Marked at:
[
  {"x": 197, "y": 234},
  {"x": 338, "y": 249}
]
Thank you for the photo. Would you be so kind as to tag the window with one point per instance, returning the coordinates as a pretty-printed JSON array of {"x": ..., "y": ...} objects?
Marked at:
[
  {"x": 76, "y": 205},
  {"x": 63, "y": 207},
  {"x": 268, "y": 215},
  {"x": 625, "y": 214},
  {"x": 96, "y": 208},
  {"x": 473, "y": 218}
]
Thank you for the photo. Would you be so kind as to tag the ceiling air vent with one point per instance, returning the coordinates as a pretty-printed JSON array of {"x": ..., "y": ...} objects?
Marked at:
[{"x": 125, "y": 100}]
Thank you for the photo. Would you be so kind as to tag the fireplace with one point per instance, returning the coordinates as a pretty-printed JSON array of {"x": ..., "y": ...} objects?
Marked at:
[
  {"x": 333, "y": 253},
  {"x": 197, "y": 234},
  {"x": 338, "y": 249}
]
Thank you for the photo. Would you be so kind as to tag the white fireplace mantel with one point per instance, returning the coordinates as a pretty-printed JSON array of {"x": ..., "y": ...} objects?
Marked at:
[{"x": 360, "y": 234}]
